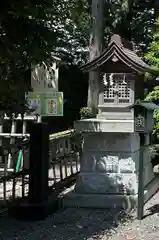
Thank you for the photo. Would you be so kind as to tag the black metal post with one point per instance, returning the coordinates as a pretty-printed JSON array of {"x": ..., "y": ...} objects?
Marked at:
[
  {"x": 140, "y": 207},
  {"x": 39, "y": 163}
]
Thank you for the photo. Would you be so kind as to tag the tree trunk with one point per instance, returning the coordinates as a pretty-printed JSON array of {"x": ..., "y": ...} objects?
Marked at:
[
  {"x": 129, "y": 18},
  {"x": 124, "y": 28},
  {"x": 95, "y": 49},
  {"x": 156, "y": 8}
]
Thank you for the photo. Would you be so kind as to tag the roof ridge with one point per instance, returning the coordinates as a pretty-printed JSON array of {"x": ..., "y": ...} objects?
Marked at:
[{"x": 125, "y": 55}]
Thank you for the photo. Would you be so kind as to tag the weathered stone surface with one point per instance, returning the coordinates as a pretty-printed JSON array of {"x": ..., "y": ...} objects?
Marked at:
[
  {"x": 135, "y": 156},
  {"x": 127, "y": 165},
  {"x": 105, "y": 125},
  {"x": 107, "y": 164},
  {"x": 110, "y": 162},
  {"x": 105, "y": 201},
  {"x": 101, "y": 162},
  {"x": 113, "y": 142},
  {"x": 110, "y": 165},
  {"x": 107, "y": 183}
]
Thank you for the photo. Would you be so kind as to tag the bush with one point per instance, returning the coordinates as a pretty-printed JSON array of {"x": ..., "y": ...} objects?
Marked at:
[
  {"x": 154, "y": 151},
  {"x": 154, "y": 97},
  {"x": 86, "y": 113}
]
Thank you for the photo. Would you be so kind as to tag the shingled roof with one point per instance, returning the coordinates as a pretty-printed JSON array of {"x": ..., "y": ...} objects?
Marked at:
[{"x": 123, "y": 51}]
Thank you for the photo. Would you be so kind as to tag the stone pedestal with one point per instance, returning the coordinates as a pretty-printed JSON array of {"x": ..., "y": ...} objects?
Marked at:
[
  {"x": 109, "y": 163},
  {"x": 109, "y": 169}
]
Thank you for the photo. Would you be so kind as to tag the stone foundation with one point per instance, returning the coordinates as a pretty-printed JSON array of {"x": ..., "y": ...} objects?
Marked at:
[
  {"x": 109, "y": 171},
  {"x": 109, "y": 164}
]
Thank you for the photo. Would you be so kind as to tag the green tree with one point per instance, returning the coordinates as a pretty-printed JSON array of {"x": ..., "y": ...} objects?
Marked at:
[
  {"x": 25, "y": 37},
  {"x": 132, "y": 19},
  {"x": 154, "y": 96},
  {"x": 152, "y": 58},
  {"x": 152, "y": 55},
  {"x": 31, "y": 32}
]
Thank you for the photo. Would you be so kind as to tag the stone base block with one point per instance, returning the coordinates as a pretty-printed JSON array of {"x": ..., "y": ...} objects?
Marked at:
[
  {"x": 104, "y": 183},
  {"x": 127, "y": 202},
  {"x": 75, "y": 200},
  {"x": 103, "y": 125}
]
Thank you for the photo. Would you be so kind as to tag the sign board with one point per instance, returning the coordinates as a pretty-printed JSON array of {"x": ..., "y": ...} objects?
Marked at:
[{"x": 45, "y": 104}]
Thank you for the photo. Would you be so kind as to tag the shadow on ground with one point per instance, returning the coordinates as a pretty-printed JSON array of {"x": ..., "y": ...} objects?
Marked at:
[
  {"x": 152, "y": 210},
  {"x": 65, "y": 224}
]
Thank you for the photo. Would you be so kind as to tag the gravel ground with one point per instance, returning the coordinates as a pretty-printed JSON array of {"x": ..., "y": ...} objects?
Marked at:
[
  {"x": 147, "y": 229},
  {"x": 86, "y": 224}
]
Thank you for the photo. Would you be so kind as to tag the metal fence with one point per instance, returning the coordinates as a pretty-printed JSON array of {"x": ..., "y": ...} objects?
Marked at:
[
  {"x": 14, "y": 157},
  {"x": 14, "y": 181},
  {"x": 65, "y": 150},
  {"x": 64, "y": 164}
]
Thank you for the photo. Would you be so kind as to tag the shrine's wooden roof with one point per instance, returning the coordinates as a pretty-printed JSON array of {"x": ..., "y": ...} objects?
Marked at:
[{"x": 123, "y": 52}]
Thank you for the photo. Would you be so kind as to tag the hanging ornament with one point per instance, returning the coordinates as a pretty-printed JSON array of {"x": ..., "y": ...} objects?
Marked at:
[
  {"x": 111, "y": 79},
  {"x": 105, "y": 79}
]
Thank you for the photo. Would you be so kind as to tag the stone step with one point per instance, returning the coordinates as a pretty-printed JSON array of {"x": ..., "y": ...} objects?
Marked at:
[
  {"x": 75, "y": 200},
  {"x": 83, "y": 200}
]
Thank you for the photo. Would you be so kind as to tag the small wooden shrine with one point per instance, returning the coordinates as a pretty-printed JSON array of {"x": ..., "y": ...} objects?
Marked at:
[{"x": 122, "y": 74}]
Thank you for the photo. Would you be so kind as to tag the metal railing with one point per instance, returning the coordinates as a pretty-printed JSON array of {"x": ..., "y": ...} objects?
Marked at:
[
  {"x": 14, "y": 181},
  {"x": 65, "y": 149},
  {"x": 64, "y": 163}
]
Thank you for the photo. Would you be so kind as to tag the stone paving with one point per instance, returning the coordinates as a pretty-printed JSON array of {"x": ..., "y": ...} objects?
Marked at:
[{"x": 86, "y": 224}]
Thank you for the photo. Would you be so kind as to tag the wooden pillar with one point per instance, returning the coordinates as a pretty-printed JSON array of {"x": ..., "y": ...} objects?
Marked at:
[
  {"x": 95, "y": 49},
  {"x": 39, "y": 163}
]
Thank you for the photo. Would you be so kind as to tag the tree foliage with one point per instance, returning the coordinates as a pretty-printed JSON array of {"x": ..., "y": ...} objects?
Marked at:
[
  {"x": 25, "y": 37},
  {"x": 33, "y": 31},
  {"x": 132, "y": 19},
  {"x": 152, "y": 56},
  {"x": 154, "y": 96}
]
